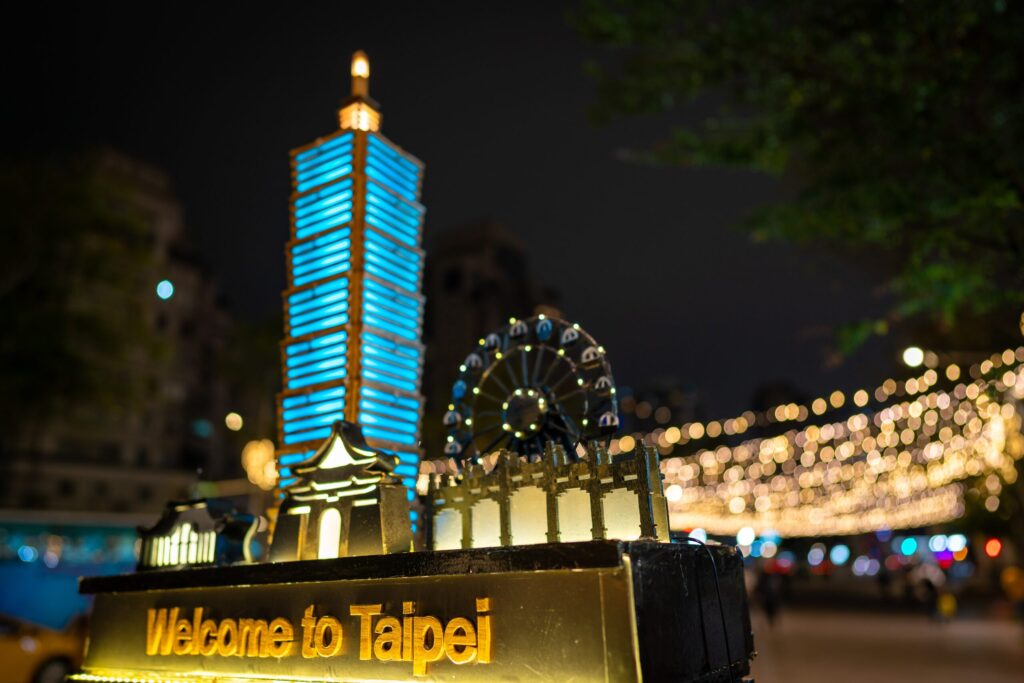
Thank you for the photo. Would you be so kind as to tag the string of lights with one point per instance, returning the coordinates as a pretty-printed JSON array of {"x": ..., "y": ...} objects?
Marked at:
[
  {"x": 799, "y": 413},
  {"x": 900, "y": 466}
]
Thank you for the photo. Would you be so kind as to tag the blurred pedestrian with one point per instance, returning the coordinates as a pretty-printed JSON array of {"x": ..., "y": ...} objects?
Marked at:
[
  {"x": 769, "y": 594},
  {"x": 946, "y": 606},
  {"x": 884, "y": 583}
]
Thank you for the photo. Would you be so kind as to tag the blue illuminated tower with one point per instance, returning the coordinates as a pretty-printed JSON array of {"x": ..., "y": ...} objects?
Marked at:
[{"x": 353, "y": 308}]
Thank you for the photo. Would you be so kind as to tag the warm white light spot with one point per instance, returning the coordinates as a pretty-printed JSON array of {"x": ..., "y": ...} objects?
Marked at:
[
  {"x": 233, "y": 421},
  {"x": 913, "y": 356},
  {"x": 745, "y": 536},
  {"x": 360, "y": 66}
]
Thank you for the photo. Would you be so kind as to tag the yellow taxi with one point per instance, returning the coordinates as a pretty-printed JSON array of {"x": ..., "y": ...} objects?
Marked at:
[{"x": 36, "y": 654}]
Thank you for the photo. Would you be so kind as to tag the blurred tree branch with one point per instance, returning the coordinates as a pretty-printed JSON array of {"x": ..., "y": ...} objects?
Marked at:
[
  {"x": 72, "y": 271},
  {"x": 902, "y": 123}
]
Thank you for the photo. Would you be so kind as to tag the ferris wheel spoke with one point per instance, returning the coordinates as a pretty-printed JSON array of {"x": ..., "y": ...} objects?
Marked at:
[
  {"x": 488, "y": 420},
  {"x": 511, "y": 373},
  {"x": 488, "y": 430},
  {"x": 567, "y": 420},
  {"x": 492, "y": 444},
  {"x": 490, "y": 396},
  {"x": 560, "y": 382},
  {"x": 565, "y": 397},
  {"x": 501, "y": 385},
  {"x": 564, "y": 430},
  {"x": 526, "y": 375},
  {"x": 547, "y": 375},
  {"x": 537, "y": 365}
]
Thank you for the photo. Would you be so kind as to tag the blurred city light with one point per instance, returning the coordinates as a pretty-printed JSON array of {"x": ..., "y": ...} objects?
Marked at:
[
  {"x": 816, "y": 555},
  {"x": 259, "y": 465},
  {"x": 233, "y": 421},
  {"x": 908, "y": 546},
  {"x": 938, "y": 543},
  {"x": 745, "y": 536},
  {"x": 993, "y": 547},
  {"x": 165, "y": 289},
  {"x": 956, "y": 543},
  {"x": 913, "y": 356},
  {"x": 202, "y": 428},
  {"x": 699, "y": 535},
  {"x": 839, "y": 554}
]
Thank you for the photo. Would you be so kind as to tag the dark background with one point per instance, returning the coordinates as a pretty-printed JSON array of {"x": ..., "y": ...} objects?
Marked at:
[{"x": 494, "y": 99}]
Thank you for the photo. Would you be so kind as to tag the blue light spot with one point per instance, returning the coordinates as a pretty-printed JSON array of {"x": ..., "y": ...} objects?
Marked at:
[
  {"x": 165, "y": 289},
  {"x": 839, "y": 554},
  {"x": 202, "y": 428}
]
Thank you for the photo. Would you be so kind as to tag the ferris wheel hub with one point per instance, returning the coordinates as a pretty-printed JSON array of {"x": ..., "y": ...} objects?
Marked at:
[{"x": 524, "y": 411}]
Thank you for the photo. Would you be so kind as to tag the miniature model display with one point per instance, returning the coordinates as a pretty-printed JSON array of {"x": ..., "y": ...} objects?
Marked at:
[
  {"x": 197, "y": 533},
  {"x": 536, "y": 555},
  {"x": 535, "y": 381}
]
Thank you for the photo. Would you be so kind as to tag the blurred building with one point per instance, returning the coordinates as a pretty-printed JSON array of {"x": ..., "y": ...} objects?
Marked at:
[
  {"x": 657, "y": 406},
  {"x": 477, "y": 277},
  {"x": 164, "y": 420}
]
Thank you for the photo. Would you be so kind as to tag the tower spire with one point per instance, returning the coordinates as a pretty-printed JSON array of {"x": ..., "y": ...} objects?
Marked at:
[
  {"x": 359, "y": 111},
  {"x": 360, "y": 74}
]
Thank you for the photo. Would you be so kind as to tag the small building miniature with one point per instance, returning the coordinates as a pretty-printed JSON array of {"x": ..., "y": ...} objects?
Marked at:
[
  {"x": 345, "y": 502},
  {"x": 196, "y": 533},
  {"x": 551, "y": 499}
]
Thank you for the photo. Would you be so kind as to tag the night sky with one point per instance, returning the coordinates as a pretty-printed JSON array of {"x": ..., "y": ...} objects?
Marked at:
[{"x": 650, "y": 260}]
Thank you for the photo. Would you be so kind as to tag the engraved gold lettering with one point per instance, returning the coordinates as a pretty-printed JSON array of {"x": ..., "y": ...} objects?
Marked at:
[
  {"x": 308, "y": 623},
  {"x": 205, "y": 644},
  {"x": 388, "y": 645},
  {"x": 460, "y": 641},
  {"x": 182, "y": 637},
  {"x": 279, "y": 644},
  {"x": 408, "y": 608},
  {"x": 227, "y": 638},
  {"x": 427, "y": 643},
  {"x": 197, "y": 620},
  {"x": 158, "y": 631},
  {"x": 420, "y": 639},
  {"x": 252, "y": 637},
  {"x": 365, "y": 614},
  {"x": 483, "y": 631},
  {"x": 327, "y": 638}
]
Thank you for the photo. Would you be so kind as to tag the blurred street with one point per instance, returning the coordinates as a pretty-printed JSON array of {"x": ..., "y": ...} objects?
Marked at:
[{"x": 840, "y": 647}]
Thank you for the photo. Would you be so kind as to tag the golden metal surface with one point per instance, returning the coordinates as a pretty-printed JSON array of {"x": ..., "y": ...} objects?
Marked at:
[{"x": 553, "y": 625}]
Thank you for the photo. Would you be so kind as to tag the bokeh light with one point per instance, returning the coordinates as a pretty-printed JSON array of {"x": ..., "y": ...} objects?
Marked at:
[
  {"x": 165, "y": 289},
  {"x": 913, "y": 356},
  {"x": 233, "y": 421},
  {"x": 839, "y": 554}
]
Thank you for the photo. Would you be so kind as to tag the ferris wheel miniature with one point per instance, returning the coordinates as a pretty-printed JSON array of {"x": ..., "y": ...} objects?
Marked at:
[{"x": 531, "y": 382}]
